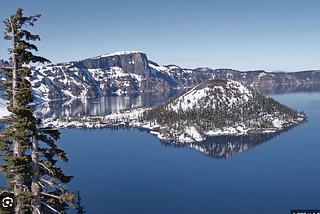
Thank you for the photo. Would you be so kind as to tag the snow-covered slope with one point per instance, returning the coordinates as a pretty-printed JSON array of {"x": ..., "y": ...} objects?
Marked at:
[
  {"x": 220, "y": 107},
  {"x": 232, "y": 92},
  {"x": 63, "y": 82},
  {"x": 130, "y": 72},
  {"x": 111, "y": 74},
  {"x": 3, "y": 108},
  {"x": 215, "y": 107}
]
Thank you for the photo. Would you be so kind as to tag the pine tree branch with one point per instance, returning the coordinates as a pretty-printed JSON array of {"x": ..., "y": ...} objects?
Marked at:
[
  {"x": 50, "y": 195},
  {"x": 40, "y": 184},
  {"x": 52, "y": 172},
  {"x": 51, "y": 208},
  {"x": 60, "y": 187},
  {"x": 35, "y": 208},
  {"x": 4, "y": 67}
]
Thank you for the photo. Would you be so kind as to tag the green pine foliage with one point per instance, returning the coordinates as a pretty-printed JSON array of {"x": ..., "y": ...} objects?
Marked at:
[
  {"x": 215, "y": 111},
  {"x": 22, "y": 131}
]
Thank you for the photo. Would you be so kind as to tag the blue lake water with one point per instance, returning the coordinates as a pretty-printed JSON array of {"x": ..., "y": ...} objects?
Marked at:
[{"x": 129, "y": 171}]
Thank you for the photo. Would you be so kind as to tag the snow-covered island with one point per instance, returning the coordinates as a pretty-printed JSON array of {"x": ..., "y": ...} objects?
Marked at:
[{"x": 214, "y": 107}]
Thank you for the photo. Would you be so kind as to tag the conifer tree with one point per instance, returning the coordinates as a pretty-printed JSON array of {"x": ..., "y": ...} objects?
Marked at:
[
  {"x": 79, "y": 205},
  {"x": 36, "y": 182}
]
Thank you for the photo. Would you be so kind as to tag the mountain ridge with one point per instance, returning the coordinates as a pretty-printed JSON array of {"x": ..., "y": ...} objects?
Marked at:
[{"x": 131, "y": 72}]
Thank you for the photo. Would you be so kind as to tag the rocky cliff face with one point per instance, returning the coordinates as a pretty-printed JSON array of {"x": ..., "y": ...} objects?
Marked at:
[
  {"x": 118, "y": 73},
  {"x": 129, "y": 62},
  {"x": 124, "y": 73}
]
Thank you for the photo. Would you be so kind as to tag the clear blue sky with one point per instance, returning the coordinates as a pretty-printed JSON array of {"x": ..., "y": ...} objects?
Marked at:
[{"x": 243, "y": 35}]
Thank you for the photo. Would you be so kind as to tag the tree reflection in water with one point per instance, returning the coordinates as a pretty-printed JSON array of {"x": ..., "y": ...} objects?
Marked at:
[{"x": 227, "y": 146}]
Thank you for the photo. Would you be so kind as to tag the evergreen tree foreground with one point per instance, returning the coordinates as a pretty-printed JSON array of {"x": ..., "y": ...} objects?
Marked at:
[{"x": 30, "y": 167}]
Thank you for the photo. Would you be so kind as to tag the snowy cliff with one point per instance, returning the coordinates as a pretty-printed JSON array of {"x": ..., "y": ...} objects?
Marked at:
[
  {"x": 111, "y": 74},
  {"x": 125, "y": 73},
  {"x": 131, "y": 72}
]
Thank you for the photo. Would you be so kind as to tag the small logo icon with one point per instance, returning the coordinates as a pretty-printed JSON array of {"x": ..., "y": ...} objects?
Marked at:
[{"x": 7, "y": 201}]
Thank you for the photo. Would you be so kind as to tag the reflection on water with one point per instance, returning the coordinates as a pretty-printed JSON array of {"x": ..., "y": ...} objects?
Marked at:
[
  {"x": 107, "y": 105},
  {"x": 227, "y": 146},
  {"x": 219, "y": 147},
  {"x": 133, "y": 173},
  {"x": 99, "y": 106},
  {"x": 216, "y": 147}
]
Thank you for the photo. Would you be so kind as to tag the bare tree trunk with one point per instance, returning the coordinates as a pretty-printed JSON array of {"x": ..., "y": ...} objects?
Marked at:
[
  {"x": 17, "y": 189},
  {"x": 35, "y": 177},
  {"x": 14, "y": 67}
]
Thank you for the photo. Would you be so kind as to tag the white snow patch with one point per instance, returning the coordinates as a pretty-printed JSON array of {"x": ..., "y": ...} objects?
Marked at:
[
  {"x": 137, "y": 77},
  {"x": 173, "y": 67},
  {"x": 159, "y": 68},
  {"x": 195, "y": 135},
  {"x": 154, "y": 133},
  {"x": 3, "y": 108},
  {"x": 188, "y": 71},
  {"x": 119, "y": 53},
  {"x": 68, "y": 93}
]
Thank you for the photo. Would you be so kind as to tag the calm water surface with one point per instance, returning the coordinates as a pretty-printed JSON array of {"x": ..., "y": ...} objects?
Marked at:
[{"x": 129, "y": 171}]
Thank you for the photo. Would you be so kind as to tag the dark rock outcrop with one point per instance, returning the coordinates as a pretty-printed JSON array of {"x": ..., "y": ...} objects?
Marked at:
[{"x": 130, "y": 62}]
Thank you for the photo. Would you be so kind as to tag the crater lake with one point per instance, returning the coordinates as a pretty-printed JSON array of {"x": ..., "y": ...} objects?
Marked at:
[{"x": 132, "y": 171}]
